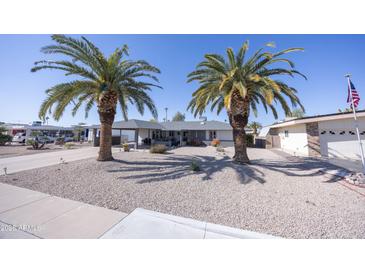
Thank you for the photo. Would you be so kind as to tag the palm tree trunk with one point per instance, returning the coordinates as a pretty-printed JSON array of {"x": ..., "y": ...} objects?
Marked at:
[
  {"x": 240, "y": 146},
  {"x": 105, "y": 150},
  {"x": 238, "y": 118},
  {"x": 106, "y": 110}
]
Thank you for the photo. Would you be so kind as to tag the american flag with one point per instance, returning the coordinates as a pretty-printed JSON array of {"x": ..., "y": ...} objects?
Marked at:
[{"x": 354, "y": 94}]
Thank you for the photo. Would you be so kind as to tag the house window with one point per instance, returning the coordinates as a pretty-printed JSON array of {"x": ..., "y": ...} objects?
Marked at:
[
  {"x": 212, "y": 134},
  {"x": 286, "y": 133},
  {"x": 171, "y": 134}
]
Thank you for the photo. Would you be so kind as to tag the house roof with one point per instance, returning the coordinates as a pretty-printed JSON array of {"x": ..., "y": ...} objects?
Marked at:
[
  {"x": 318, "y": 118},
  {"x": 134, "y": 124},
  {"x": 195, "y": 125},
  {"x": 264, "y": 131},
  {"x": 33, "y": 127},
  {"x": 173, "y": 126}
]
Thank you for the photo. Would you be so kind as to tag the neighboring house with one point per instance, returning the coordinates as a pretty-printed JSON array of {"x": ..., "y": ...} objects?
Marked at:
[
  {"x": 171, "y": 133},
  {"x": 260, "y": 139},
  {"x": 331, "y": 135},
  {"x": 26, "y": 129}
]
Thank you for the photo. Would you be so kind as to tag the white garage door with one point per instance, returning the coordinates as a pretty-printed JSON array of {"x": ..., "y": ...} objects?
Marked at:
[{"x": 340, "y": 144}]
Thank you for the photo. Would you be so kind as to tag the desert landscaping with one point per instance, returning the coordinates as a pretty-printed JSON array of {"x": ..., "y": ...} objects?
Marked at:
[{"x": 277, "y": 194}]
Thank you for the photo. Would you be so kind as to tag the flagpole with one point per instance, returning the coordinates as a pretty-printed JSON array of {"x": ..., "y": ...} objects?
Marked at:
[{"x": 356, "y": 123}]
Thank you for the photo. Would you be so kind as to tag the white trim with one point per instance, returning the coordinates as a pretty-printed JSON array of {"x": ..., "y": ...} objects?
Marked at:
[{"x": 317, "y": 119}]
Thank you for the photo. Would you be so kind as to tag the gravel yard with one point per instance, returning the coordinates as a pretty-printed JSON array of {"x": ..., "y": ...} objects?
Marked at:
[
  {"x": 20, "y": 149},
  {"x": 280, "y": 195}
]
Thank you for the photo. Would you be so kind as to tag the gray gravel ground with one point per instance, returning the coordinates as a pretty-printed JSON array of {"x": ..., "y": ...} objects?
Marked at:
[
  {"x": 280, "y": 195},
  {"x": 14, "y": 149}
]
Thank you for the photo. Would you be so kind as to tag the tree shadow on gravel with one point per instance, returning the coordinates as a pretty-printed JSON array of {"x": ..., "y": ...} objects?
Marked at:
[{"x": 172, "y": 167}]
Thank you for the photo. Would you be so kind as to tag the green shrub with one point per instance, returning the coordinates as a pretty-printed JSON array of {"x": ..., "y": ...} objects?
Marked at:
[
  {"x": 4, "y": 138},
  {"x": 35, "y": 144},
  {"x": 125, "y": 147},
  {"x": 195, "y": 166},
  {"x": 68, "y": 145},
  {"x": 249, "y": 140},
  {"x": 161, "y": 149},
  {"x": 59, "y": 141}
]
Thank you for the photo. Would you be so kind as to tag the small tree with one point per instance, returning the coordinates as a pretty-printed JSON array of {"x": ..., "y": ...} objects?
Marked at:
[
  {"x": 178, "y": 116},
  {"x": 298, "y": 113},
  {"x": 4, "y": 138},
  {"x": 255, "y": 126},
  {"x": 36, "y": 141},
  {"x": 345, "y": 110}
]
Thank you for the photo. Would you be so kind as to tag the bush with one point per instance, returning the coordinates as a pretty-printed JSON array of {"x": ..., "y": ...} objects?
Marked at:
[
  {"x": 249, "y": 140},
  {"x": 195, "y": 166},
  {"x": 59, "y": 141},
  {"x": 68, "y": 145},
  {"x": 126, "y": 147},
  {"x": 215, "y": 142},
  {"x": 161, "y": 149},
  {"x": 4, "y": 138},
  {"x": 35, "y": 144}
]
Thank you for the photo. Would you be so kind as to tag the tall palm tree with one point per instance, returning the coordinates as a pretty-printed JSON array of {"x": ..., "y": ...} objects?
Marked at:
[
  {"x": 102, "y": 80},
  {"x": 238, "y": 85},
  {"x": 255, "y": 126}
]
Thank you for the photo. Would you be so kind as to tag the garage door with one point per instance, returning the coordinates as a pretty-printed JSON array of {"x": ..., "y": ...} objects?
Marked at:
[{"x": 341, "y": 144}]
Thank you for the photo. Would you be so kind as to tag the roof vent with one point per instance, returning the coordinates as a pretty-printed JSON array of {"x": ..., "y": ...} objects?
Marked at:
[{"x": 202, "y": 123}]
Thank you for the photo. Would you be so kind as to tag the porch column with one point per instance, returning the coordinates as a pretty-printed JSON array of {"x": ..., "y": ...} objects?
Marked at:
[
  {"x": 120, "y": 136},
  {"x": 94, "y": 137},
  {"x": 136, "y": 137},
  {"x": 181, "y": 137}
]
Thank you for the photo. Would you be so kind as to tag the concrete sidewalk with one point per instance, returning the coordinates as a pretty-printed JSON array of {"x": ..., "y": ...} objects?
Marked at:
[
  {"x": 147, "y": 224},
  {"x": 26, "y": 162},
  {"x": 27, "y": 214}
]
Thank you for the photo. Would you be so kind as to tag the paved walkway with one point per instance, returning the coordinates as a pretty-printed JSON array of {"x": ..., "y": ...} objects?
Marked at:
[
  {"x": 26, "y": 162},
  {"x": 28, "y": 214}
]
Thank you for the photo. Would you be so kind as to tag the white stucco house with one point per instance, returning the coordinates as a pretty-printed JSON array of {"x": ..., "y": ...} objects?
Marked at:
[
  {"x": 172, "y": 133},
  {"x": 330, "y": 135}
]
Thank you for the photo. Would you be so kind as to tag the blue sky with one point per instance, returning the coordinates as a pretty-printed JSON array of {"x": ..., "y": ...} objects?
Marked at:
[{"x": 325, "y": 61}]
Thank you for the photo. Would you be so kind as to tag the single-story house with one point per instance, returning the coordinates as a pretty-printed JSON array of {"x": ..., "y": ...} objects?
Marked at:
[
  {"x": 330, "y": 135},
  {"x": 27, "y": 129},
  {"x": 171, "y": 133}
]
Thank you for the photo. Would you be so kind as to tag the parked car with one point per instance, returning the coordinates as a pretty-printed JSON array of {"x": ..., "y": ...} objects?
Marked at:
[
  {"x": 20, "y": 137},
  {"x": 42, "y": 138}
]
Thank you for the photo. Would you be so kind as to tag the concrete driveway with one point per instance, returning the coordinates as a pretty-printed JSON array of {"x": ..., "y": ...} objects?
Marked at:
[{"x": 27, "y": 162}]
